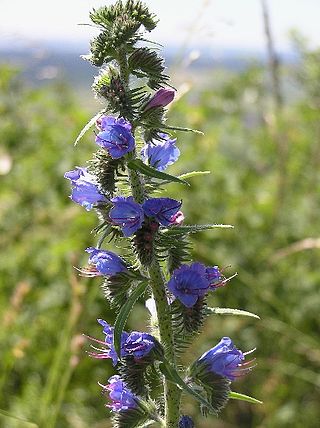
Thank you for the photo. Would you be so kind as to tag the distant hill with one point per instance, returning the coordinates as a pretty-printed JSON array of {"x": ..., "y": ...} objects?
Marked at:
[{"x": 40, "y": 64}]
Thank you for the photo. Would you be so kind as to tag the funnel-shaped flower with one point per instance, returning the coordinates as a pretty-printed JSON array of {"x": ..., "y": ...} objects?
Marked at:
[
  {"x": 139, "y": 344},
  {"x": 225, "y": 360},
  {"x": 127, "y": 214},
  {"x": 215, "y": 277},
  {"x": 122, "y": 399},
  {"x": 136, "y": 344},
  {"x": 188, "y": 283},
  {"x": 162, "y": 210},
  {"x": 107, "y": 350},
  {"x": 85, "y": 191},
  {"x": 161, "y": 153},
  {"x": 106, "y": 262},
  {"x": 115, "y": 136}
]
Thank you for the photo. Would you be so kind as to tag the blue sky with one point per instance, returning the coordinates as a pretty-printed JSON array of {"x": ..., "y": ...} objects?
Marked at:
[{"x": 218, "y": 23}]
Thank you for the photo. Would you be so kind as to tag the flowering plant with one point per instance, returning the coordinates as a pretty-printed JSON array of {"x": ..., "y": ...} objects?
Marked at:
[{"x": 135, "y": 147}]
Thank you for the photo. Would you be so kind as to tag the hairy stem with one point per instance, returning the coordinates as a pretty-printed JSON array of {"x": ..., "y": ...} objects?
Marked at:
[{"x": 172, "y": 392}]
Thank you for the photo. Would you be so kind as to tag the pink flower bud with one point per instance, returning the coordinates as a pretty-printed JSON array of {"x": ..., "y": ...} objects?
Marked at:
[{"x": 161, "y": 98}]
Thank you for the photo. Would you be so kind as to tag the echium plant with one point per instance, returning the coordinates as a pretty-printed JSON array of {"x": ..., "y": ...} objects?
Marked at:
[{"x": 123, "y": 184}]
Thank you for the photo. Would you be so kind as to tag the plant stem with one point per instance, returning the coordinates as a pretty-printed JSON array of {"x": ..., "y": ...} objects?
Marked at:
[{"x": 171, "y": 391}]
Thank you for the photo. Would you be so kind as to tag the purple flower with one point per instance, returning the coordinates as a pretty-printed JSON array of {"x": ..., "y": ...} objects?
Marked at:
[
  {"x": 127, "y": 214},
  {"x": 84, "y": 188},
  {"x": 214, "y": 276},
  {"x": 106, "y": 262},
  {"x": 115, "y": 136},
  {"x": 188, "y": 283},
  {"x": 161, "y": 153},
  {"x": 161, "y": 98},
  {"x": 138, "y": 344},
  {"x": 108, "y": 351},
  {"x": 186, "y": 422},
  {"x": 122, "y": 399},
  {"x": 162, "y": 209},
  {"x": 225, "y": 360}
]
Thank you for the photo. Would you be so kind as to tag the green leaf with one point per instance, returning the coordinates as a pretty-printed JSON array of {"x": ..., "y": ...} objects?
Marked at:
[
  {"x": 179, "y": 128},
  {"x": 124, "y": 314},
  {"x": 243, "y": 397},
  {"x": 182, "y": 230},
  {"x": 23, "y": 422},
  {"x": 138, "y": 165},
  {"x": 173, "y": 376},
  {"x": 229, "y": 311},
  {"x": 89, "y": 125},
  {"x": 193, "y": 174}
]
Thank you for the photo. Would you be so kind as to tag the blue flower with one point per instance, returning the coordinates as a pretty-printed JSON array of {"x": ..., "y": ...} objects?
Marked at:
[
  {"x": 161, "y": 98},
  {"x": 139, "y": 344},
  {"x": 162, "y": 210},
  {"x": 225, "y": 360},
  {"x": 127, "y": 214},
  {"x": 161, "y": 153},
  {"x": 214, "y": 276},
  {"x": 84, "y": 188},
  {"x": 136, "y": 344},
  {"x": 108, "y": 351},
  {"x": 106, "y": 262},
  {"x": 186, "y": 422},
  {"x": 115, "y": 136},
  {"x": 122, "y": 398},
  {"x": 188, "y": 283}
]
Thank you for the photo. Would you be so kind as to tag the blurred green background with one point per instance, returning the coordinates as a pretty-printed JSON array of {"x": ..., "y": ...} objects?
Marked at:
[{"x": 262, "y": 146}]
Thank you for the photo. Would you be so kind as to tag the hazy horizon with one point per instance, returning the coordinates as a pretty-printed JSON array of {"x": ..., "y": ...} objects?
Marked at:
[{"x": 214, "y": 24}]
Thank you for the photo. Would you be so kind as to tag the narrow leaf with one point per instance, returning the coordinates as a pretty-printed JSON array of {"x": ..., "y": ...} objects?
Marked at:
[
  {"x": 173, "y": 376},
  {"x": 243, "y": 397},
  {"x": 182, "y": 230},
  {"x": 124, "y": 314},
  {"x": 229, "y": 311},
  {"x": 138, "y": 165},
  {"x": 193, "y": 174},
  {"x": 89, "y": 125},
  {"x": 179, "y": 128}
]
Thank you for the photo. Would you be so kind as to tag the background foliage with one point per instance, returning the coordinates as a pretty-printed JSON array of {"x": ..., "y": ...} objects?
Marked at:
[{"x": 264, "y": 160}]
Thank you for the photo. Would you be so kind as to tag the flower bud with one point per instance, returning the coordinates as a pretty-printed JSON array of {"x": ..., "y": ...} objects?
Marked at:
[{"x": 161, "y": 98}]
